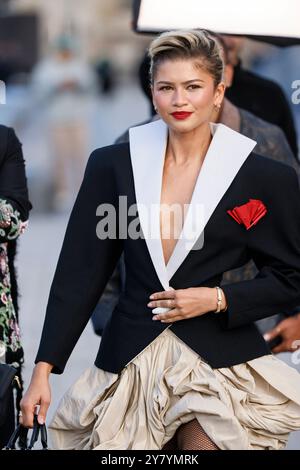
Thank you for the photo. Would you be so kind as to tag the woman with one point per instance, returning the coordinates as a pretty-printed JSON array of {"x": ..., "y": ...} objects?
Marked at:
[
  {"x": 180, "y": 359},
  {"x": 14, "y": 212},
  {"x": 65, "y": 86}
]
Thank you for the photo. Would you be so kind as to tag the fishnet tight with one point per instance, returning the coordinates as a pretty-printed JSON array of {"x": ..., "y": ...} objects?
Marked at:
[{"x": 190, "y": 436}]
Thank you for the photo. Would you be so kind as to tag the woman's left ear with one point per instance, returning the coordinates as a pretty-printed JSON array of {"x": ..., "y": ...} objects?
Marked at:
[{"x": 220, "y": 92}]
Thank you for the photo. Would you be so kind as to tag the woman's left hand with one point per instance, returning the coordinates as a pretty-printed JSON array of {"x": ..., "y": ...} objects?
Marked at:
[{"x": 185, "y": 303}]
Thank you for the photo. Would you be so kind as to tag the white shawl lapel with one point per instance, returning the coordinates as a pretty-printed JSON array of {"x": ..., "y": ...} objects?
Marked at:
[{"x": 226, "y": 154}]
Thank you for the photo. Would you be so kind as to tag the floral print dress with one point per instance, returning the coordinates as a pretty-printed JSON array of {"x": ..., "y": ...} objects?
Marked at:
[{"x": 11, "y": 226}]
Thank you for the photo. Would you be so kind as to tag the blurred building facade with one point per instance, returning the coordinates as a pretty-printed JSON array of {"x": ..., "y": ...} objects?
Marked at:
[{"x": 102, "y": 28}]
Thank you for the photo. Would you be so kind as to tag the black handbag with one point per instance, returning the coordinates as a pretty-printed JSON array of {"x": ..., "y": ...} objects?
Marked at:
[
  {"x": 21, "y": 434},
  {"x": 8, "y": 375}
]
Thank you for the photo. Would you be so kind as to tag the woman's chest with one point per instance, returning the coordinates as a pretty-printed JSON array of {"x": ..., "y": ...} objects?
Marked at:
[{"x": 176, "y": 194}]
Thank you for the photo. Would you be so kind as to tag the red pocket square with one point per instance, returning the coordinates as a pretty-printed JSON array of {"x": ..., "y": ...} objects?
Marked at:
[{"x": 250, "y": 213}]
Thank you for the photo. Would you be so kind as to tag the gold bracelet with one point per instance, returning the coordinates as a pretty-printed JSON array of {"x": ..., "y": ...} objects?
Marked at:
[{"x": 219, "y": 301}]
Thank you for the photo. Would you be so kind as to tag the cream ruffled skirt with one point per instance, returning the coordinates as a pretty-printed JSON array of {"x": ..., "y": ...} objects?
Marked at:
[{"x": 254, "y": 405}]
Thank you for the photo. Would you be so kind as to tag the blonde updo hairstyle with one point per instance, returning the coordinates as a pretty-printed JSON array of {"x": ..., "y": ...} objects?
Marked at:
[{"x": 196, "y": 44}]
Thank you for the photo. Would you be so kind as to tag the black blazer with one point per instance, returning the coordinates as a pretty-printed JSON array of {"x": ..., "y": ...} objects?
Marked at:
[{"x": 230, "y": 175}]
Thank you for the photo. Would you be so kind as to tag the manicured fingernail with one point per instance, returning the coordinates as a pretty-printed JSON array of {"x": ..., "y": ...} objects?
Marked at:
[
  {"x": 155, "y": 318},
  {"x": 40, "y": 420},
  {"x": 149, "y": 304},
  {"x": 266, "y": 337}
]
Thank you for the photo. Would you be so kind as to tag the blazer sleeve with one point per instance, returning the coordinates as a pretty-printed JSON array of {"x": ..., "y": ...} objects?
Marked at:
[
  {"x": 14, "y": 201},
  {"x": 85, "y": 264},
  {"x": 274, "y": 245}
]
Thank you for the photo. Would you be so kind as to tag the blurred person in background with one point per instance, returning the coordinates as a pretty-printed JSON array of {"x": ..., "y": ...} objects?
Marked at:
[
  {"x": 260, "y": 96},
  {"x": 14, "y": 212},
  {"x": 65, "y": 86},
  {"x": 105, "y": 74}
]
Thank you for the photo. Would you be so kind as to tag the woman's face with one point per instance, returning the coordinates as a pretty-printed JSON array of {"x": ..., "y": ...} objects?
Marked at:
[{"x": 184, "y": 94}]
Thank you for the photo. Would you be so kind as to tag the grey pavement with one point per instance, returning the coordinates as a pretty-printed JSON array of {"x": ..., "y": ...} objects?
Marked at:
[{"x": 38, "y": 253}]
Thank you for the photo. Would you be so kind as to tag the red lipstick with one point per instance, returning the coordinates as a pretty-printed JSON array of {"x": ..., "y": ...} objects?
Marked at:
[{"x": 180, "y": 115}]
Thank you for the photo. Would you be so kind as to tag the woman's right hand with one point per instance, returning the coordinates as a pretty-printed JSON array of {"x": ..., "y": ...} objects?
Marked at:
[{"x": 37, "y": 398}]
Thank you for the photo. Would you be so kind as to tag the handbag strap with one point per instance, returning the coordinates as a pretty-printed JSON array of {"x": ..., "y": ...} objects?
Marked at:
[
  {"x": 21, "y": 432},
  {"x": 44, "y": 439},
  {"x": 38, "y": 429}
]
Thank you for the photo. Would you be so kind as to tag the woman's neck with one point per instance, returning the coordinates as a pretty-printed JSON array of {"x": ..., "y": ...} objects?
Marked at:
[{"x": 183, "y": 149}]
